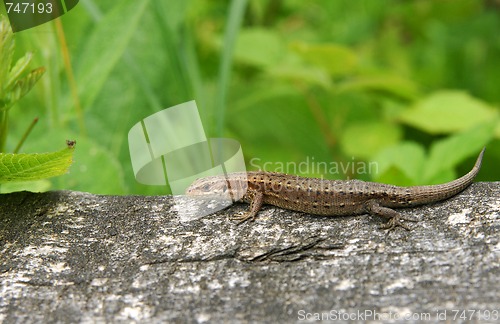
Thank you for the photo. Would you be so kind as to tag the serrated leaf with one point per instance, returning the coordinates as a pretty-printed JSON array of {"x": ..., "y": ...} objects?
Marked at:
[
  {"x": 448, "y": 112},
  {"x": 17, "y": 70},
  {"x": 94, "y": 162},
  {"x": 34, "y": 166},
  {"x": 23, "y": 86}
]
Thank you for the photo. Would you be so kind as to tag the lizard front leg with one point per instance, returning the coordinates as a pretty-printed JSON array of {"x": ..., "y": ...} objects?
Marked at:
[
  {"x": 373, "y": 207},
  {"x": 256, "y": 199}
]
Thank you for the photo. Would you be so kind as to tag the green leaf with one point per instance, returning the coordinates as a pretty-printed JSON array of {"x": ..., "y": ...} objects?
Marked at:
[
  {"x": 260, "y": 47},
  {"x": 364, "y": 139},
  {"x": 23, "y": 86},
  {"x": 390, "y": 84},
  {"x": 35, "y": 166},
  {"x": 335, "y": 59},
  {"x": 6, "y": 50},
  {"x": 17, "y": 70},
  {"x": 96, "y": 169},
  {"x": 448, "y": 112},
  {"x": 449, "y": 152},
  {"x": 33, "y": 186},
  {"x": 105, "y": 47},
  {"x": 302, "y": 74},
  {"x": 401, "y": 164}
]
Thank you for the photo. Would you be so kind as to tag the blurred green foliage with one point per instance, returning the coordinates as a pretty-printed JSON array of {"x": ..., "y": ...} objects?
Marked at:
[
  {"x": 412, "y": 85},
  {"x": 16, "y": 81},
  {"x": 15, "y": 78}
]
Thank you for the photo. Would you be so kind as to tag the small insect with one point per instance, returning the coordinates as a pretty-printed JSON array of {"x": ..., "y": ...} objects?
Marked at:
[{"x": 70, "y": 143}]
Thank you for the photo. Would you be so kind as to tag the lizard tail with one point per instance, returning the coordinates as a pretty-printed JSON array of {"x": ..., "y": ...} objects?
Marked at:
[{"x": 434, "y": 193}]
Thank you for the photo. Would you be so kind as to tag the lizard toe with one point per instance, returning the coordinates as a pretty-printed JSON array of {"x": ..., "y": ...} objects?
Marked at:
[
  {"x": 393, "y": 223},
  {"x": 241, "y": 218}
]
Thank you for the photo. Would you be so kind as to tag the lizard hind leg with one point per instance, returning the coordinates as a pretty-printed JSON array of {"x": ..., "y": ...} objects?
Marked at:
[
  {"x": 374, "y": 208},
  {"x": 256, "y": 200}
]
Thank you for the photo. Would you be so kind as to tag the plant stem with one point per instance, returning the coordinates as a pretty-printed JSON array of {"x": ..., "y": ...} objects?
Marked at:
[
  {"x": 71, "y": 78},
  {"x": 25, "y": 135},
  {"x": 3, "y": 128}
]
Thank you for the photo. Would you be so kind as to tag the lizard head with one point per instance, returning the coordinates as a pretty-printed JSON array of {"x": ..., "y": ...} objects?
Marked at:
[{"x": 222, "y": 186}]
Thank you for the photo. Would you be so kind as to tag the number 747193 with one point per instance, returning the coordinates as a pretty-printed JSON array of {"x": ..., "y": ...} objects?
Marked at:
[{"x": 28, "y": 7}]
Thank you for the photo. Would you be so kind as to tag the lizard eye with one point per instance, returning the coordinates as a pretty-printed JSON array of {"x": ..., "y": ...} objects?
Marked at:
[{"x": 206, "y": 187}]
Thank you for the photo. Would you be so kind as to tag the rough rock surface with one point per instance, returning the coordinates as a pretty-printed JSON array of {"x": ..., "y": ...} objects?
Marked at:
[{"x": 77, "y": 257}]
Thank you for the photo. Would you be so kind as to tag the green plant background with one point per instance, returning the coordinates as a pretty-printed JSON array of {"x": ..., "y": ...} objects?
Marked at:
[{"x": 412, "y": 85}]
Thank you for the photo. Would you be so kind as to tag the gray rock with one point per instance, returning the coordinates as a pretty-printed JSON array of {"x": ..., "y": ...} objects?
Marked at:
[{"x": 77, "y": 257}]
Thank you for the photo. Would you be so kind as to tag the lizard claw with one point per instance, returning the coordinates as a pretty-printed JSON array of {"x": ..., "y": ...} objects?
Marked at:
[
  {"x": 393, "y": 223},
  {"x": 241, "y": 218}
]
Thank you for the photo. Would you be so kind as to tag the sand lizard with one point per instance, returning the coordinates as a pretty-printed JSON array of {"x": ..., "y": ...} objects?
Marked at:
[{"x": 327, "y": 197}]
